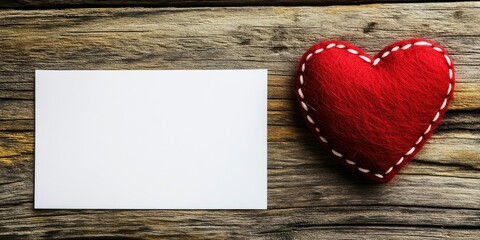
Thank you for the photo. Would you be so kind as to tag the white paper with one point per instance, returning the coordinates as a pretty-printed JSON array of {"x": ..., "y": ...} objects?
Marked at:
[{"x": 151, "y": 139}]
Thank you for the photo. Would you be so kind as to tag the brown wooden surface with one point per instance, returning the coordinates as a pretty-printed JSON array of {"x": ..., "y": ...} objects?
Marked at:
[
  {"x": 42, "y": 4},
  {"x": 309, "y": 194}
]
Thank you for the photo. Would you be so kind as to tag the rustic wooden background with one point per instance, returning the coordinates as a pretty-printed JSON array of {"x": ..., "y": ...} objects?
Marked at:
[{"x": 309, "y": 195}]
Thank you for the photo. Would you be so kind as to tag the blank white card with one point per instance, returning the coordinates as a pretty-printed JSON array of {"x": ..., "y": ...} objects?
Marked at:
[{"x": 151, "y": 139}]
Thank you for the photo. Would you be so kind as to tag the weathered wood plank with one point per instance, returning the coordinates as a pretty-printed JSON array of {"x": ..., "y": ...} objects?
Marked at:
[
  {"x": 28, "y": 4},
  {"x": 310, "y": 195},
  {"x": 227, "y": 39},
  {"x": 290, "y": 162},
  {"x": 299, "y": 197}
]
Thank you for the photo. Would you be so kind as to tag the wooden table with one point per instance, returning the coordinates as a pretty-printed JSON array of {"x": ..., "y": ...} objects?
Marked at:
[{"x": 309, "y": 195}]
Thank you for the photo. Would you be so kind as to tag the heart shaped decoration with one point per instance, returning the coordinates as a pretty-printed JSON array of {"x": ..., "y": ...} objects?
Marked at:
[{"x": 374, "y": 114}]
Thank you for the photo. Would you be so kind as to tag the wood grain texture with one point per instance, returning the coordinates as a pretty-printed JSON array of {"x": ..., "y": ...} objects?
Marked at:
[
  {"x": 43, "y": 4},
  {"x": 309, "y": 195}
]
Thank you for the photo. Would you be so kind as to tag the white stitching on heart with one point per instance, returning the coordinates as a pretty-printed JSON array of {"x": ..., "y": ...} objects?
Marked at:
[{"x": 375, "y": 63}]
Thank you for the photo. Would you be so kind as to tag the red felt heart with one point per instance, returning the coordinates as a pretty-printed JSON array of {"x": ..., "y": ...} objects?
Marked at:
[{"x": 374, "y": 114}]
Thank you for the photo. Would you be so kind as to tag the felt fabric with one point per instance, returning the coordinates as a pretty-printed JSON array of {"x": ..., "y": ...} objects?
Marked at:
[{"x": 374, "y": 114}]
